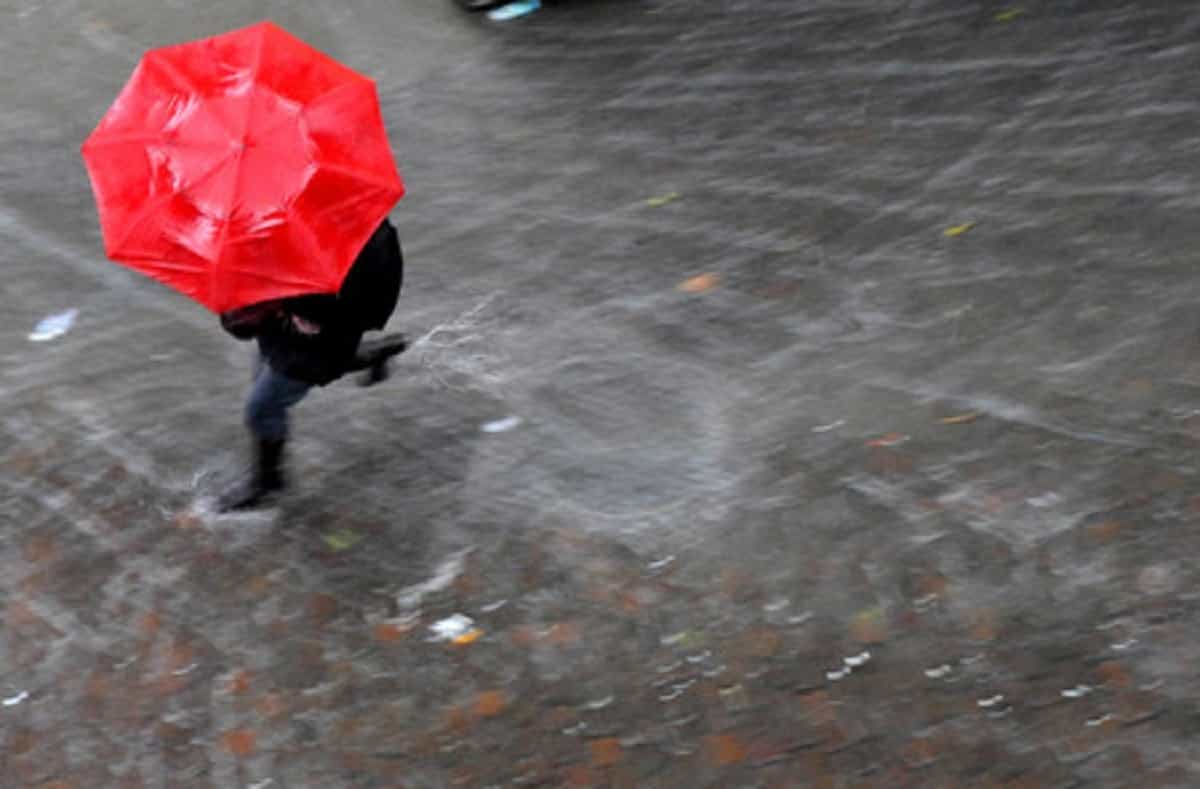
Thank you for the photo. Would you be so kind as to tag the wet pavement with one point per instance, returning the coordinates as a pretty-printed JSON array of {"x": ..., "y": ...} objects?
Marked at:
[{"x": 805, "y": 394}]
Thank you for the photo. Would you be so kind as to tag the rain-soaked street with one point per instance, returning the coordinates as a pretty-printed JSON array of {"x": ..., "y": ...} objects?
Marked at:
[{"x": 804, "y": 393}]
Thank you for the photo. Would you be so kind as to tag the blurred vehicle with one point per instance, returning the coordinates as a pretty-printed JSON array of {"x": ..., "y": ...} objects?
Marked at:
[{"x": 479, "y": 5}]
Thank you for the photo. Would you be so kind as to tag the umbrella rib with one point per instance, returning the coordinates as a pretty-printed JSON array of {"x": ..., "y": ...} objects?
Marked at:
[
  {"x": 368, "y": 178},
  {"x": 155, "y": 205},
  {"x": 216, "y": 267}
]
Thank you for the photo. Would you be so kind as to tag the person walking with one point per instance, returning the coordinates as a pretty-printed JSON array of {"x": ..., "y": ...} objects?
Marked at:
[{"x": 312, "y": 340}]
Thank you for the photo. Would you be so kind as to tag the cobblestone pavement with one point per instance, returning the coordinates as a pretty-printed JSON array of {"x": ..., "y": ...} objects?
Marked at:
[{"x": 803, "y": 396}]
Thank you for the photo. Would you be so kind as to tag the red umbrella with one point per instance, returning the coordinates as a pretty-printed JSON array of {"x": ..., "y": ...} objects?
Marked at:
[{"x": 242, "y": 168}]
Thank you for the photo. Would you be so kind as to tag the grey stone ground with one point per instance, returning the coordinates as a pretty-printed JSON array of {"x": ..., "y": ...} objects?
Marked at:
[{"x": 965, "y": 463}]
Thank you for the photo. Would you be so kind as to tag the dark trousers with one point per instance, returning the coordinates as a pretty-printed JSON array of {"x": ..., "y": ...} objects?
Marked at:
[{"x": 270, "y": 398}]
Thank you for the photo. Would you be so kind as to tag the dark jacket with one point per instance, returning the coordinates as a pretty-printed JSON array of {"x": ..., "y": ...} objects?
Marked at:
[{"x": 365, "y": 301}]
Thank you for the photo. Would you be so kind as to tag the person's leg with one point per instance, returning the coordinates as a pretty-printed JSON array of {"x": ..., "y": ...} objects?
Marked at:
[
  {"x": 270, "y": 398},
  {"x": 373, "y": 355},
  {"x": 266, "y": 417}
]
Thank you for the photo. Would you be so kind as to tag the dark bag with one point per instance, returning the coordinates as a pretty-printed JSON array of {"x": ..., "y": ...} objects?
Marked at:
[{"x": 371, "y": 289}]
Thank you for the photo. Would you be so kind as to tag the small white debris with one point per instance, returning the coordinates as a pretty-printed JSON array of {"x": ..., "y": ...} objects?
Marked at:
[
  {"x": 263, "y": 784},
  {"x": 671, "y": 696},
  {"x": 443, "y": 576},
  {"x": 925, "y": 600},
  {"x": 578, "y": 728},
  {"x": 490, "y": 607},
  {"x": 13, "y": 701},
  {"x": 661, "y": 563},
  {"x": 776, "y": 605},
  {"x": 1121, "y": 646},
  {"x": 800, "y": 619},
  {"x": 854, "y": 661},
  {"x": 939, "y": 672},
  {"x": 703, "y": 656},
  {"x": 188, "y": 669},
  {"x": 991, "y": 702},
  {"x": 452, "y": 627},
  {"x": 667, "y": 669},
  {"x": 1077, "y": 692},
  {"x": 1043, "y": 501},
  {"x": 501, "y": 425},
  {"x": 828, "y": 427},
  {"x": 673, "y": 639},
  {"x": 1103, "y": 719},
  {"x": 53, "y": 326},
  {"x": 834, "y": 676},
  {"x": 715, "y": 672},
  {"x": 599, "y": 704}
]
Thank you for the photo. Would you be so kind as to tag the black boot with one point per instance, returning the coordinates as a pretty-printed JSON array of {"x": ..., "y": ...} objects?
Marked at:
[
  {"x": 373, "y": 355},
  {"x": 263, "y": 479}
]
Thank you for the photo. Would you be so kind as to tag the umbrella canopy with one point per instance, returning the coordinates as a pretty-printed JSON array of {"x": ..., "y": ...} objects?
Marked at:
[{"x": 242, "y": 168}]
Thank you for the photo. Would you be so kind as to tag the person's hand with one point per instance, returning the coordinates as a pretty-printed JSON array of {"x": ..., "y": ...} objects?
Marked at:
[
  {"x": 247, "y": 322},
  {"x": 305, "y": 327}
]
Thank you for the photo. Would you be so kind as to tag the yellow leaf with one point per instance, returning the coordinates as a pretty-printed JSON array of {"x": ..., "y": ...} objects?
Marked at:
[
  {"x": 1009, "y": 14},
  {"x": 469, "y": 637},
  {"x": 342, "y": 539},
  {"x": 957, "y": 230},
  {"x": 661, "y": 200},
  {"x": 960, "y": 419},
  {"x": 868, "y": 627}
]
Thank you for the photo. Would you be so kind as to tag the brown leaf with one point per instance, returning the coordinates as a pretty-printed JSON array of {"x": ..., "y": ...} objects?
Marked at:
[
  {"x": 564, "y": 634},
  {"x": 322, "y": 607},
  {"x": 239, "y": 742},
  {"x": 240, "y": 683},
  {"x": 888, "y": 440},
  {"x": 606, "y": 752},
  {"x": 1114, "y": 674},
  {"x": 725, "y": 749},
  {"x": 150, "y": 623},
  {"x": 490, "y": 703},
  {"x": 387, "y": 632}
]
